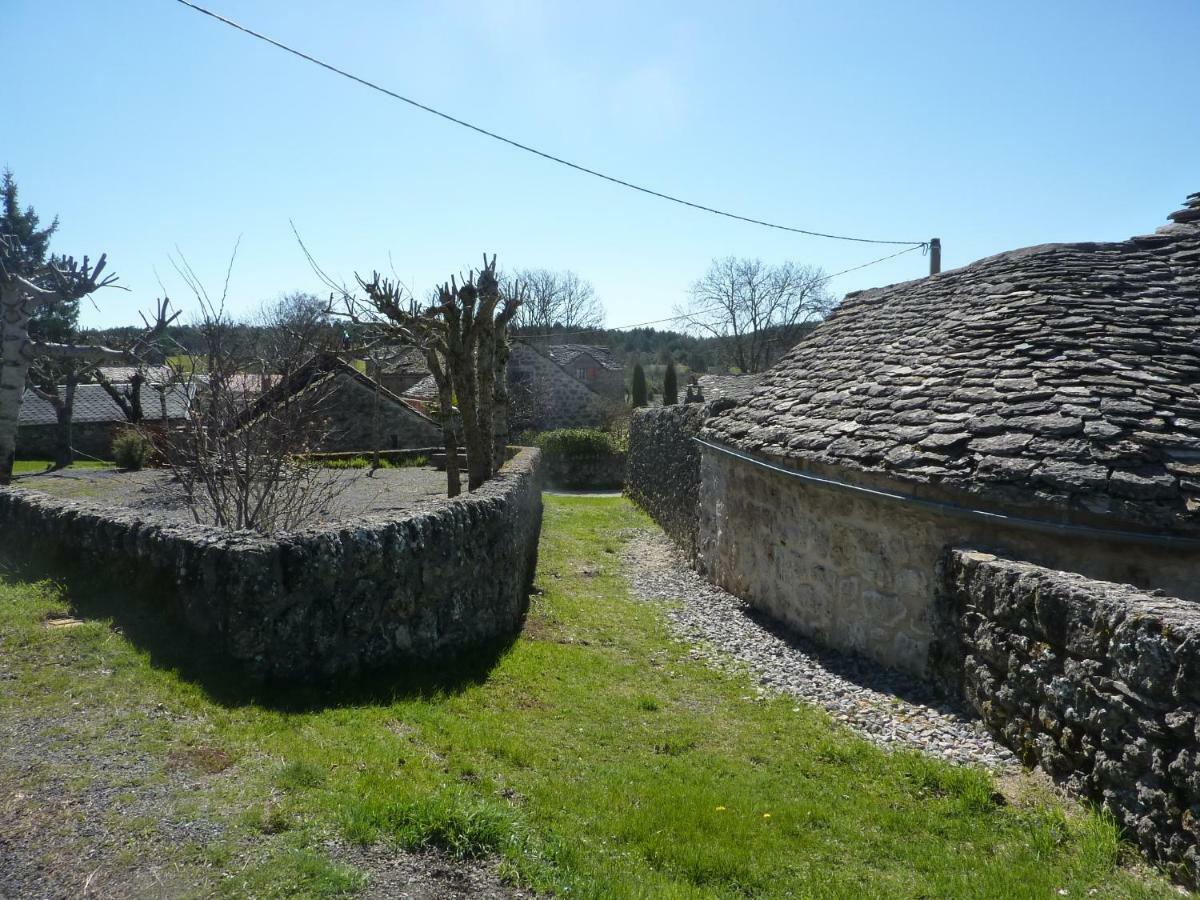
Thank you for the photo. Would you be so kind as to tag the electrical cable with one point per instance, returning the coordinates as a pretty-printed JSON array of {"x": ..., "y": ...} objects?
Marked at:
[{"x": 528, "y": 149}]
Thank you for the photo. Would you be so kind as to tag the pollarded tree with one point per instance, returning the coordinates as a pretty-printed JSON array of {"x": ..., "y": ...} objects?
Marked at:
[
  {"x": 31, "y": 283},
  {"x": 464, "y": 335}
]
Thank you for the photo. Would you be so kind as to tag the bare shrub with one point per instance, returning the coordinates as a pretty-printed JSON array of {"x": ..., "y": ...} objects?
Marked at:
[{"x": 259, "y": 409}]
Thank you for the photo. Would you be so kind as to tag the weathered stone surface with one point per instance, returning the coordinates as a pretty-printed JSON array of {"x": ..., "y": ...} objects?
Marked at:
[
  {"x": 663, "y": 466},
  {"x": 1095, "y": 681},
  {"x": 324, "y": 601},
  {"x": 1070, "y": 344}
]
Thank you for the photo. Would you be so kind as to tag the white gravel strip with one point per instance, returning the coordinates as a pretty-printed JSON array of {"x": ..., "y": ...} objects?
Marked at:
[{"x": 889, "y": 709}]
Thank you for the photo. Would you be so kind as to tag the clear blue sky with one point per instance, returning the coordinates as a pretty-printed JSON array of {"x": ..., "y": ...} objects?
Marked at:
[{"x": 146, "y": 126}]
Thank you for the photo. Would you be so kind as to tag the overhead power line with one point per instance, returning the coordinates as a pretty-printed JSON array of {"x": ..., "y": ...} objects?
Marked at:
[
  {"x": 528, "y": 149},
  {"x": 700, "y": 312}
]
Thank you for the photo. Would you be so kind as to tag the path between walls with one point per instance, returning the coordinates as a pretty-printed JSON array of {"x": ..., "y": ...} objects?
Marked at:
[{"x": 889, "y": 709}]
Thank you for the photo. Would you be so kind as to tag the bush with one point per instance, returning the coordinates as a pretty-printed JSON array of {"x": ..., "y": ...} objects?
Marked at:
[
  {"x": 131, "y": 449},
  {"x": 577, "y": 442}
]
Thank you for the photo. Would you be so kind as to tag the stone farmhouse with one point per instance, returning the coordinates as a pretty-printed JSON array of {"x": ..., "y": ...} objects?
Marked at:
[
  {"x": 399, "y": 368},
  {"x": 549, "y": 386},
  {"x": 562, "y": 386},
  {"x": 95, "y": 420},
  {"x": 989, "y": 478},
  {"x": 1045, "y": 400},
  {"x": 359, "y": 413}
]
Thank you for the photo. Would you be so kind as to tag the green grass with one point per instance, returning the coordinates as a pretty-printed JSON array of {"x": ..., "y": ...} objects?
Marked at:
[
  {"x": 25, "y": 466},
  {"x": 592, "y": 756},
  {"x": 364, "y": 462}
]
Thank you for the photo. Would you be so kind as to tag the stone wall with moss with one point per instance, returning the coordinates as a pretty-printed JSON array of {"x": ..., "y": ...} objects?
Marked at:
[
  {"x": 662, "y": 471},
  {"x": 1098, "y": 683},
  {"x": 325, "y": 601}
]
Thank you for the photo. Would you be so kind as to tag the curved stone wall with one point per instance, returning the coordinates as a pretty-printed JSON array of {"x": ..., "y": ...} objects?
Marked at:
[{"x": 324, "y": 601}]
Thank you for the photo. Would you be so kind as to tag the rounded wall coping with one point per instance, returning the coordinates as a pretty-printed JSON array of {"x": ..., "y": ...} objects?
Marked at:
[
  {"x": 883, "y": 491},
  {"x": 523, "y": 462}
]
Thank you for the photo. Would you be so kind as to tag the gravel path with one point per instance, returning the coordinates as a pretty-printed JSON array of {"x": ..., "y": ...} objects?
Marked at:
[
  {"x": 349, "y": 493},
  {"x": 887, "y": 708}
]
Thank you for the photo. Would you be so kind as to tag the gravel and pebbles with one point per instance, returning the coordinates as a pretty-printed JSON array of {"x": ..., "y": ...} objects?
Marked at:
[{"x": 888, "y": 708}]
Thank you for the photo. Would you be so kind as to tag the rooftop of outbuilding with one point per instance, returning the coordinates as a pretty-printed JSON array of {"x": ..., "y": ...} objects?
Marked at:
[{"x": 1065, "y": 376}]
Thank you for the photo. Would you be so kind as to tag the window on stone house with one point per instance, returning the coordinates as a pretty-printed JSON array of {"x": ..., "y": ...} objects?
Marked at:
[{"x": 586, "y": 374}]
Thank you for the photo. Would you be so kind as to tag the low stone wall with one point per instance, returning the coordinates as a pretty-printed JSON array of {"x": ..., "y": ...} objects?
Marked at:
[
  {"x": 325, "y": 601},
  {"x": 663, "y": 471},
  {"x": 1097, "y": 682},
  {"x": 584, "y": 473}
]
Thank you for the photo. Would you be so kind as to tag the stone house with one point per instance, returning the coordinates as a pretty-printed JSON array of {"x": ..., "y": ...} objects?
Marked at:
[
  {"x": 555, "y": 386},
  {"x": 398, "y": 369},
  {"x": 593, "y": 366},
  {"x": 359, "y": 414},
  {"x": 562, "y": 386},
  {"x": 95, "y": 419},
  {"x": 1042, "y": 403}
]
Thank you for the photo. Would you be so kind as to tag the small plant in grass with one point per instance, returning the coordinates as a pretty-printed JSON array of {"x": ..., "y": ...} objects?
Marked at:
[
  {"x": 131, "y": 449},
  {"x": 300, "y": 775}
]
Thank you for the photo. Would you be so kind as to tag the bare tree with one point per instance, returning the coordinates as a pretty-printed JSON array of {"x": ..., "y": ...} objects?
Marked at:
[
  {"x": 397, "y": 318},
  {"x": 464, "y": 334},
  {"x": 259, "y": 409},
  {"x": 554, "y": 301},
  {"x": 759, "y": 310}
]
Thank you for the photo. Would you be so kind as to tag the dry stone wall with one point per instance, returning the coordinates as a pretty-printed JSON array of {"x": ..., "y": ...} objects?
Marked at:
[
  {"x": 1097, "y": 682},
  {"x": 662, "y": 474},
  {"x": 584, "y": 473},
  {"x": 326, "y": 601}
]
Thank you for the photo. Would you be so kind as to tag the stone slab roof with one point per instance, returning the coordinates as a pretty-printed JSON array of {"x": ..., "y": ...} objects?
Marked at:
[
  {"x": 425, "y": 389},
  {"x": 717, "y": 387},
  {"x": 565, "y": 355},
  {"x": 402, "y": 361},
  {"x": 93, "y": 405},
  {"x": 1063, "y": 376},
  {"x": 322, "y": 372}
]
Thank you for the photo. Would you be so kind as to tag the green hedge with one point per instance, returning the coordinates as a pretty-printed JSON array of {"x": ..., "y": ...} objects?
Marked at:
[{"x": 578, "y": 442}]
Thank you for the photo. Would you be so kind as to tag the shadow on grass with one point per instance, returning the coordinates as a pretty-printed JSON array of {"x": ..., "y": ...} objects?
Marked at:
[{"x": 156, "y": 628}]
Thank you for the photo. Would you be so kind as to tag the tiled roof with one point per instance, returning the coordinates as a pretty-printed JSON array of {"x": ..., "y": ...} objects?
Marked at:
[
  {"x": 717, "y": 387},
  {"x": 1064, "y": 376},
  {"x": 124, "y": 374},
  {"x": 425, "y": 389},
  {"x": 401, "y": 360},
  {"x": 93, "y": 405},
  {"x": 565, "y": 354}
]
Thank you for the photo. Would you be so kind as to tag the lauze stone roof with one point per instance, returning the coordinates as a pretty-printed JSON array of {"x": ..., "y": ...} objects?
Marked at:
[{"x": 1064, "y": 376}]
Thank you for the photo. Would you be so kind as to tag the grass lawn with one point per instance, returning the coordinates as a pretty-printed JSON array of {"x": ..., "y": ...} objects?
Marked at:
[
  {"x": 591, "y": 756},
  {"x": 25, "y": 466}
]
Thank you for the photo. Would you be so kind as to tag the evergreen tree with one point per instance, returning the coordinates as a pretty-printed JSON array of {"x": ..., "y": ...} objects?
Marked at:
[
  {"x": 670, "y": 386},
  {"x": 24, "y": 248},
  {"x": 638, "y": 389}
]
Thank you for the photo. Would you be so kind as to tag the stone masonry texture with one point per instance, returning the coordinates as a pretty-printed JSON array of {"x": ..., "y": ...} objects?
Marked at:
[
  {"x": 311, "y": 604},
  {"x": 1099, "y": 683},
  {"x": 662, "y": 473},
  {"x": 1063, "y": 378}
]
